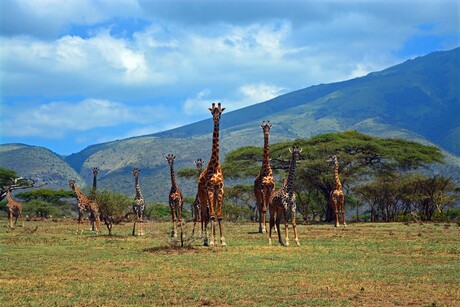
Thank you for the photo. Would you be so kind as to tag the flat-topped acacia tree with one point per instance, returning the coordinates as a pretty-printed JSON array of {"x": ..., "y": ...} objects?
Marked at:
[{"x": 361, "y": 157}]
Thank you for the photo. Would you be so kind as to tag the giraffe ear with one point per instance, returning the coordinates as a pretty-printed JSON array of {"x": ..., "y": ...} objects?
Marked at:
[
  {"x": 222, "y": 110},
  {"x": 290, "y": 150}
]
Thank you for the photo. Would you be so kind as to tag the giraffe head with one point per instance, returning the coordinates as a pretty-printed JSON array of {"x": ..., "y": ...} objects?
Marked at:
[
  {"x": 266, "y": 127},
  {"x": 295, "y": 150},
  {"x": 216, "y": 112},
  {"x": 170, "y": 158},
  {"x": 136, "y": 172},
  {"x": 199, "y": 164},
  {"x": 72, "y": 184},
  {"x": 95, "y": 170},
  {"x": 332, "y": 159}
]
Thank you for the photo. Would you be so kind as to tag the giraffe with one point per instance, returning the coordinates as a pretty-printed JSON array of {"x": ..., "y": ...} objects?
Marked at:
[
  {"x": 176, "y": 200},
  {"x": 93, "y": 194},
  {"x": 95, "y": 171},
  {"x": 14, "y": 209},
  {"x": 336, "y": 197},
  {"x": 284, "y": 200},
  {"x": 264, "y": 184},
  {"x": 85, "y": 204},
  {"x": 211, "y": 184},
  {"x": 196, "y": 204},
  {"x": 138, "y": 205}
]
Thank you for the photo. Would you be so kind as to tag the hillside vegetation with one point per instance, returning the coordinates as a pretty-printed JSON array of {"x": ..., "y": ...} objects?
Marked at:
[{"x": 416, "y": 100}]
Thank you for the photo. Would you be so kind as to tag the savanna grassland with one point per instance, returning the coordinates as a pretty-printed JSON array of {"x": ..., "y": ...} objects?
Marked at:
[{"x": 381, "y": 264}]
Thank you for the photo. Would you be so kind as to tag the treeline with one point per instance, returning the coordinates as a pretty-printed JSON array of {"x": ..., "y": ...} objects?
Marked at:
[{"x": 383, "y": 180}]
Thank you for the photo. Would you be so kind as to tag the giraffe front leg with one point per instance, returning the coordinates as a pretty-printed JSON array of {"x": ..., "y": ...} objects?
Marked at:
[
  {"x": 272, "y": 224},
  {"x": 294, "y": 226},
  {"x": 286, "y": 227}
]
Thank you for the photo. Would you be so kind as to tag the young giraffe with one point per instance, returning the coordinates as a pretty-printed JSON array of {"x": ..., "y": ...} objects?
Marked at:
[
  {"x": 211, "y": 184},
  {"x": 176, "y": 200},
  {"x": 196, "y": 204},
  {"x": 85, "y": 204},
  {"x": 336, "y": 197},
  {"x": 138, "y": 205},
  {"x": 284, "y": 201},
  {"x": 14, "y": 209},
  {"x": 264, "y": 183}
]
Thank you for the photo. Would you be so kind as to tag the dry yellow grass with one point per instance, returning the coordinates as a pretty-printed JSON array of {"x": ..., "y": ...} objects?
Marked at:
[{"x": 364, "y": 264}]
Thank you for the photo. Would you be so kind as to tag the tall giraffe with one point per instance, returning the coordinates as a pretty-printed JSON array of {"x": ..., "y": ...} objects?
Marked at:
[
  {"x": 284, "y": 201},
  {"x": 196, "y": 209},
  {"x": 176, "y": 200},
  {"x": 14, "y": 209},
  {"x": 138, "y": 205},
  {"x": 336, "y": 197},
  {"x": 264, "y": 184},
  {"x": 85, "y": 204},
  {"x": 95, "y": 171},
  {"x": 211, "y": 183},
  {"x": 93, "y": 194}
]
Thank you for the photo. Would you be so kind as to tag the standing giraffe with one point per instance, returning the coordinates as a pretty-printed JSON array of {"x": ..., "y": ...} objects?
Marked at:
[
  {"x": 264, "y": 183},
  {"x": 284, "y": 201},
  {"x": 211, "y": 183},
  {"x": 93, "y": 194},
  {"x": 85, "y": 204},
  {"x": 196, "y": 209},
  {"x": 14, "y": 209},
  {"x": 138, "y": 205},
  {"x": 176, "y": 200},
  {"x": 336, "y": 197}
]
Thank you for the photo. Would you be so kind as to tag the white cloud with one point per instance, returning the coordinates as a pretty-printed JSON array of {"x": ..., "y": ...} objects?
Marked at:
[{"x": 54, "y": 120}]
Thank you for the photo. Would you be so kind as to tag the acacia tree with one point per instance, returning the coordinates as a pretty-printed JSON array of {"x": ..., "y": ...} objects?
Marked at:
[
  {"x": 361, "y": 157},
  {"x": 113, "y": 207}
]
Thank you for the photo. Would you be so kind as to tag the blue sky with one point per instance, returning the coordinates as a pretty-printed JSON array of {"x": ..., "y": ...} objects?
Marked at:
[{"x": 80, "y": 72}]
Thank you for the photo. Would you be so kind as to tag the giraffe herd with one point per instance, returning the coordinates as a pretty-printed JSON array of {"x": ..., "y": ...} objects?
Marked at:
[{"x": 207, "y": 206}]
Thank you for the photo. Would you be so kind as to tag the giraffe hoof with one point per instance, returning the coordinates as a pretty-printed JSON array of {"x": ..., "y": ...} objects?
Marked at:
[
  {"x": 297, "y": 242},
  {"x": 287, "y": 243}
]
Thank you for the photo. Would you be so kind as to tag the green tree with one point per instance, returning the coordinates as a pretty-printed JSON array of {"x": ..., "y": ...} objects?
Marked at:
[
  {"x": 113, "y": 207},
  {"x": 361, "y": 157}
]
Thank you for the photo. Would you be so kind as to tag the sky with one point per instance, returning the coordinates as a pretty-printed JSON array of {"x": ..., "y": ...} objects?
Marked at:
[{"x": 79, "y": 72}]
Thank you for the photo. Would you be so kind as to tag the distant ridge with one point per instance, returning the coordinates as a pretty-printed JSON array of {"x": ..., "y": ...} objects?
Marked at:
[{"x": 417, "y": 100}]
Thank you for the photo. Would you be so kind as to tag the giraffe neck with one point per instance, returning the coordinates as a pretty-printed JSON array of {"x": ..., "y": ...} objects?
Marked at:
[
  {"x": 9, "y": 197},
  {"x": 138, "y": 189},
  {"x": 94, "y": 182},
  {"x": 266, "y": 159},
  {"x": 82, "y": 197},
  {"x": 289, "y": 182},
  {"x": 173, "y": 177},
  {"x": 338, "y": 185},
  {"x": 214, "y": 161}
]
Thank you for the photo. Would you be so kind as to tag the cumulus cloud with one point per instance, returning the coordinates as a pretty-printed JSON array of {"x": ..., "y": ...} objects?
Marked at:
[
  {"x": 135, "y": 54},
  {"x": 55, "y": 119}
]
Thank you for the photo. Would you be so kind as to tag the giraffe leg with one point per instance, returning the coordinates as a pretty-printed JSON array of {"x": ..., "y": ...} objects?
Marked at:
[
  {"x": 141, "y": 226},
  {"x": 10, "y": 218},
  {"x": 134, "y": 228},
  {"x": 278, "y": 220},
  {"x": 222, "y": 239},
  {"x": 294, "y": 226},
  {"x": 22, "y": 219},
  {"x": 98, "y": 223},
  {"x": 173, "y": 216},
  {"x": 286, "y": 226},
  {"x": 272, "y": 224},
  {"x": 342, "y": 206}
]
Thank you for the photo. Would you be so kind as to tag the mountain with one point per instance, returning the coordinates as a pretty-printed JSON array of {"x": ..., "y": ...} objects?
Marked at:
[
  {"x": 40, "y": 163},
  {"x": 417, "y": 100}
]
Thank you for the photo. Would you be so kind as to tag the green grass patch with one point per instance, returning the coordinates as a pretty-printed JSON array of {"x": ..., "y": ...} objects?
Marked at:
[{"x": 364, "y": 264}]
